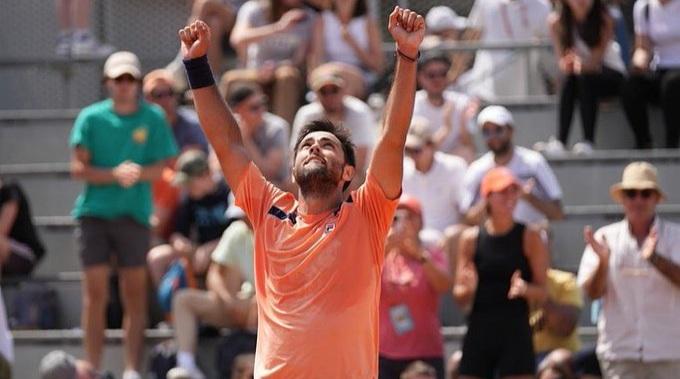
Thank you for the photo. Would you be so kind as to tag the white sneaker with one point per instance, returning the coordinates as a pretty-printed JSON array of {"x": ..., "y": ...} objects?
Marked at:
[
  {"x": 554, "y": 148},
  {"x": 183, "y": 373},
  {"x": 131, "y": 374},
  {"x": 86, "y": 46},
  {"x": 583, "y": 148},
  {"x": 63, "y": 47}
]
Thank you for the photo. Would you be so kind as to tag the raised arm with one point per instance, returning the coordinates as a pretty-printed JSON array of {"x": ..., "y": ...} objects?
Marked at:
[
  {"x": 407, "y": 29},
  {"x": 216, "y": 119}
]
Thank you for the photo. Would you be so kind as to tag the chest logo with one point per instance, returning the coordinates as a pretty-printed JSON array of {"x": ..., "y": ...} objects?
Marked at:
[
  {"x": 329, "y": 228},
  {"x": 140, "y": 134}
]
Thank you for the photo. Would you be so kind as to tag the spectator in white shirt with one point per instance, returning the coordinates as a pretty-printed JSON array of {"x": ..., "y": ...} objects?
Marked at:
[
  {"x": 541, "y": 193},
  {"x": 333, "y": 104},
  {"x": 503, "y": 73},
  {"x": 449, "y": 113},
  {"x": 634, "y": 267},
  {"x": 436, "y": 180}
]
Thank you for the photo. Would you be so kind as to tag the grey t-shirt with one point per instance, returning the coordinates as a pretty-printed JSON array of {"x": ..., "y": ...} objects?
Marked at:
[
  {"x": 276, "y": 48},
  {"x": 274, "y": 134}
]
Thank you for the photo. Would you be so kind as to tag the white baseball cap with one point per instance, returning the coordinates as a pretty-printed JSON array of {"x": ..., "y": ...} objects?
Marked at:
[
  {"x": 442, "y": 18},
  {"x": 122, "y": 62},
  {"x": 495, "y": 114}
]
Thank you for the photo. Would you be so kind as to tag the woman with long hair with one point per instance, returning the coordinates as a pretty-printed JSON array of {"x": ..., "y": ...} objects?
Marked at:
[
  {"x": 346, "y": 39},
  {"x": 501, "y": 270},
  {"x": 589, "y": 60}
]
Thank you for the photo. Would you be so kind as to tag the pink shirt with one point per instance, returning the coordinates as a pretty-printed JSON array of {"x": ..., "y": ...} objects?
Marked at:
[{"x": 409, "y": 320}]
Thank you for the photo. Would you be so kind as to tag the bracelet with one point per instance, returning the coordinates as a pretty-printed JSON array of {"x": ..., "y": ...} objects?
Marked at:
[
  {"x": 198, "y": 72},
  {"x": 399, "y": 53}
]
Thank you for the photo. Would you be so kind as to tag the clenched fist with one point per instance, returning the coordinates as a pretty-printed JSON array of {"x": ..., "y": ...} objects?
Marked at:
[{"x": 195, "y": 39}]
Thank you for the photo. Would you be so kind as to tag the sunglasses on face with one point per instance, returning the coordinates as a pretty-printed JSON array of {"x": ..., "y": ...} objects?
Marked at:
[
  {"x": 331, "y": 90},
  {"x": 124, "y": 79},
  {"x": 162, "y": 94},
  {"x": 633, "y": 193},
  {"x": 413, "y": 150},
  {"x": 436, "y": 74},
  {"x": 498, "y": 131}
]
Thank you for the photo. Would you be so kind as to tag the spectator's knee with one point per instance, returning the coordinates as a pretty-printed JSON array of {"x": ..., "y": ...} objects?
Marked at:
[
  {"x": 181, "y": 300},
  {"x": 287, "y": 73},
  {"x": 558, "y": 362}
]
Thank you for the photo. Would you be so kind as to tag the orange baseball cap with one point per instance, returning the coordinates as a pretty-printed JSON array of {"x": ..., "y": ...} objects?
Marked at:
[
  {"x": 496, "y": 180},
  {"x": 410, "y": 203}
]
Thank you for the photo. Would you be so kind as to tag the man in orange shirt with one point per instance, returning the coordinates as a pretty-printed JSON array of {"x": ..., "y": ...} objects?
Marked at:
[{"x": 317, "y": 259}]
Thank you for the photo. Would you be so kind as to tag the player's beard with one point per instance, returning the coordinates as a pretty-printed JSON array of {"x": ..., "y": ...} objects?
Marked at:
[
  {"x": 317, "y": 181},
  {"x": 502, "y": 149}
]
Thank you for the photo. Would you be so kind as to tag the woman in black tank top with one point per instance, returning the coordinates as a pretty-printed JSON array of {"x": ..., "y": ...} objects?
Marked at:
[{"x": 501, "y": 268}]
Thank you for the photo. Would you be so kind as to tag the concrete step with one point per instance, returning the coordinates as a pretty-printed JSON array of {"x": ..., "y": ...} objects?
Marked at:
[
  {"x": 35, "y": 136},
  {"x": 51, "y": 191},
  {"x": 537, "y": 122},
  {"x": 586, "y": 181},
  {"x": 62, "y": 252}
]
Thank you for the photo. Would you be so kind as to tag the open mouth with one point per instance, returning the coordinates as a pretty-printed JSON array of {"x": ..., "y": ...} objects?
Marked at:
[{"x": 315, "y": 159}]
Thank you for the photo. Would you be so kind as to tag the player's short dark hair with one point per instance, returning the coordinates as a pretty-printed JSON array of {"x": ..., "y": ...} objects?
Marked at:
[{"x": 340, "y": 132}]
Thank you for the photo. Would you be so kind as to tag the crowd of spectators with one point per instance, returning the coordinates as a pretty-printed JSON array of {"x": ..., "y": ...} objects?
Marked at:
[{"x": 470, "y": 224}]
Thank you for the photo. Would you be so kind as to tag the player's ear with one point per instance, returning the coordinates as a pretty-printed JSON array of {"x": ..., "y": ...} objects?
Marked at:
[{"x": 348, "y": 173}]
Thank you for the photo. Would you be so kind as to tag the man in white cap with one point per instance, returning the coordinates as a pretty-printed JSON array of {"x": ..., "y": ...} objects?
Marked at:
[
  {"x": 634, "y": 266},
  {"x": 332, "y": 103},
  {"x": 541, "y": 195},
  {"x": 119, "y": 146}
]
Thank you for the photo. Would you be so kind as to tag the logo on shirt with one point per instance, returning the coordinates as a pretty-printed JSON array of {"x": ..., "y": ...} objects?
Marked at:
[
  {"x": 140, "y": 134},
  {"x": 329, "y": 228}
]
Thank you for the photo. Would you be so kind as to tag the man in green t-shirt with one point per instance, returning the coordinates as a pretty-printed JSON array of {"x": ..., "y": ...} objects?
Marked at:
[{"x": 119, "y": 146}]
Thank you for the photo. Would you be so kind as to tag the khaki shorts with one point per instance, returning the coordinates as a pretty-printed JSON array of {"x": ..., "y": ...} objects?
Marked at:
[{"x": 105, "y": 241}]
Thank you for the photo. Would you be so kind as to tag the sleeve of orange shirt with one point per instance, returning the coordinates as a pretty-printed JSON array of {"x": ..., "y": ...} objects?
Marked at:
[
  {"x": 378, "y": 210},
  {"x": 255, "y": 195}
]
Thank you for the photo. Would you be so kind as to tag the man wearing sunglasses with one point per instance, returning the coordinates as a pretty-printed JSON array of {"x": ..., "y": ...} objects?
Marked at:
[
  {"x": 334, "y": 104},
  {"x": 119, "y": 145},
  {"x": 634, "y": 266},
  {"x": 541, "y": 193}
]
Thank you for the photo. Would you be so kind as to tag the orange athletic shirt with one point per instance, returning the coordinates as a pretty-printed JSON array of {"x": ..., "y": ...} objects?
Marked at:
[{"x": 317, "y": 279}]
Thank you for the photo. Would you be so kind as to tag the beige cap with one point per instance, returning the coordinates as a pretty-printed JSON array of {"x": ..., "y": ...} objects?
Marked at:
[
  {"x": 441, "y": 18},
  {"x": 639, "y": 176},
  {"x": 419, "y": 133},
  {"x": 121, "y": 63}
]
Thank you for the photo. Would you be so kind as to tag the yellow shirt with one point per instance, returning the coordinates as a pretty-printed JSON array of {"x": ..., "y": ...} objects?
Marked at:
[{"x": 562, "y": 289}]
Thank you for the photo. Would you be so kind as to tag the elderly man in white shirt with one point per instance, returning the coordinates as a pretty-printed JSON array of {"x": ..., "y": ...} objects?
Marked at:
[{"x": 634, "y": 267}]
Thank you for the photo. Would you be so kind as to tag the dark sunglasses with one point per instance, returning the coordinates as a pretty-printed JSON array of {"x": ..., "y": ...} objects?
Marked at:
[
  {"x": 162, "y": 94},
  {"x": 413, "y": 150},
  {"x": 332, "y": 90},
  {"x": 125, "y": 78},
  {"x": 493, "y": 132},
  {"x": 633, "y": 193},
  {"x": 436, "y": 74}
]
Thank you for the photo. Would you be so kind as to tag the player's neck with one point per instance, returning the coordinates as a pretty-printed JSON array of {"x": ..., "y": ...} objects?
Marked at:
[{"x": 313, "y": 204}]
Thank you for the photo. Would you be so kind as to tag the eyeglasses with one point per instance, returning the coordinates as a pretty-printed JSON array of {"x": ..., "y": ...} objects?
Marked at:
[
  {"x": 493, "y": 132},
  {"x": 160, "y": 94},
  {"x": 328, "y": 90},
  {"x": 125, "y": 78},
  {"x": 436, "y": 74},
  {"x": 633, "y": 193}
]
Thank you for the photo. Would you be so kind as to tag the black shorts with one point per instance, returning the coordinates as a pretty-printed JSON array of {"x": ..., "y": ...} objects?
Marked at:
[
  {"x": 500, "y": 346},
  {"x": 101, "y": 241}
]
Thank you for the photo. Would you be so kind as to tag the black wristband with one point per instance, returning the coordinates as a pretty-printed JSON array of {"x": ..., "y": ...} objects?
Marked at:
[{"x": 198, "y": 72}]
